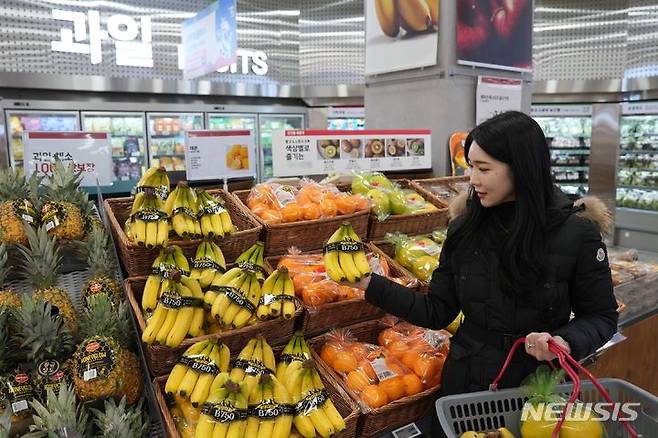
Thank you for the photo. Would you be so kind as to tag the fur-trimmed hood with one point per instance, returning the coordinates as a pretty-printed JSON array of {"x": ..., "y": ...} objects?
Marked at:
[{"x": 589, "y": 207}]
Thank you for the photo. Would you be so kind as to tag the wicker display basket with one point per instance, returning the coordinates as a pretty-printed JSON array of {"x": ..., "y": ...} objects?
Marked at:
[
  {"x": 388, "y": 248},
  {"x": 346, "y": 407},
  {"x": 137, "y": 260},
  {"x": 441, "y": 189},
  {"x": 391, "y": 416},
  {"x": 161, "y": 359},
  {"x": 305, "y": 235},
  {"x": 409, "y": 223},
  {"x": 317, "y": 320}
]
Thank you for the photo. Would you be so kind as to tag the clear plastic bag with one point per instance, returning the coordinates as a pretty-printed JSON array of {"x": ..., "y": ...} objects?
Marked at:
[{"x": 419, "y": 254}]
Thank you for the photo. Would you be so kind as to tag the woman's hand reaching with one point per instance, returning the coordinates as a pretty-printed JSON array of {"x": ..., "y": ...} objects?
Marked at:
[
  {"x": 361, "y": 284},
  {"x": 536, "y": 345}
]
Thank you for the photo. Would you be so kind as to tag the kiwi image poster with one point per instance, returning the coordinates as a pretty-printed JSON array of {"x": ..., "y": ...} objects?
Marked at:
[{"x": 495, "y": 34}]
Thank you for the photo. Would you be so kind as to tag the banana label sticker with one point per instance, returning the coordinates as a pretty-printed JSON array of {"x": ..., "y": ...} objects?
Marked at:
[
  {"x": 269, "y": 409},
  {"x": 314, "y": 400},
  {"x": 200, "y": 363},
  {"x": 223, "y": 412}
]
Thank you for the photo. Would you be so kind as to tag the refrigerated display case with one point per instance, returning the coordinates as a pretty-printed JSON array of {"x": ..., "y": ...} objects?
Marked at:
[
  {"x": 166, "y": 139},
  {"x": 637, "y": 176},
  {"x": 267, "y": 124},
  {"x": 34, "y": 120},
  {"x": 569, "y": 141},
  {"x": 128, "y": 140},
  {"x": 346, "y": 124}
]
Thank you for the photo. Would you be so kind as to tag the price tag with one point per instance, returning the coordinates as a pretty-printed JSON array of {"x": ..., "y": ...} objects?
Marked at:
[
  {"x": 381, "y": 369},
  {"x": 90, "y": 375},
  {"x": 90, "y": 152},
  {"x": 408, "y": 431},
  {"x": 19, "y": 406}
]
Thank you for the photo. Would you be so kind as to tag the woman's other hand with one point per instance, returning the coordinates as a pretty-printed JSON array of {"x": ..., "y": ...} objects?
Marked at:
[{"x": 536, "y": 345}]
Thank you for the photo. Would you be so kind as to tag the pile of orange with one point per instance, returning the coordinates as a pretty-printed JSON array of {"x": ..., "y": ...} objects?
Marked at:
[
  {"x": 358, "y": 363},
  {"x": 421, "y": 350},
  {"x": 276, "y": 203}
]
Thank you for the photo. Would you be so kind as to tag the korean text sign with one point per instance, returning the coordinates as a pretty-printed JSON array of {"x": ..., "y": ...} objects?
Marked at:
[
  {"x": 495, "y": 96},
  {"x": 210, "y": 39},
  {"x": 214, "y": 154},
  {"x": 315, "y": 152},
  {"x": 90, "y": 152}
]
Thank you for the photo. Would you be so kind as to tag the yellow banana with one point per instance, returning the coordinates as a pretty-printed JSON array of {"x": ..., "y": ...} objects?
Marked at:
[
  {"x": 387, "y": 15},
  {"x": 234, "y": 308},
  {"x": 329, "y": 408},
  {"x": 288, "y": 306},
  {"x": 244, "y": 314},
  {"x": 263, "y": 311},
  {"x": 202, "y": 386},
  {"x": 321, "y": 423},
  {"x": 331, "y": 261},
  {"x": 154, "y": 324},
  {"x": 219, "y": 255},
  {"x": 224, "y": 358},
  {"x": 181, "y": 261},
  {"x": 196, "y": 326},
  {"x": 167, "y": 325},
  {"x": 216, "y": 225},
  {"x": 151, "y": 293},
  {"x": 237, "y": 374},
  {"x": 179, "y": 370},
  {"x": 282, "y": 424},
  {"x": 414, "y": 15},
  {"x": 169, "y": 203},
  {"x": 227, "y": 223},
  {"x": 151, "y": 234},
  {"x": 253, "y": 422},
  {"x": 302, "y": 423},
  {"x": 268, "y": 356},
  {"x": 206, "y": 226},
  {"x": 219, "y": 381},
  {"x": 225, "y": 279},
  {"x": 236, "y": 429},
  {"x": 360, "y": 259},
  {"x": 191, "y": 377},
  {"x": 251, "y": 380},
  {"x": 139, "y": 231},
  {"x": 163, "y": 233},
  {"x": 276, "y": 305},
  {"x": 287, "y": 352},
  {"x": 183, "y": 319}
]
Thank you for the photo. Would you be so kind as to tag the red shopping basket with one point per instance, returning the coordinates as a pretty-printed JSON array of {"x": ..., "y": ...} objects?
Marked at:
[{"x": 490, "y": 410}]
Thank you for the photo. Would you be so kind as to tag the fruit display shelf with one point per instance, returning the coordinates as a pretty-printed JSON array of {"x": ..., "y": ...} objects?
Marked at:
[{"x": 73, "y": 283}]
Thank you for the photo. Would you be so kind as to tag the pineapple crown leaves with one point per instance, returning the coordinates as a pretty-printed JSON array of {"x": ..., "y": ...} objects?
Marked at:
[
  {"x": 539, "y": 386},
  {"x": 121, "y": 421},
  {"x": 8, "y": 347},
  {"x": 45, "y": 334},
  {"x": 63, "y": 186},
  {"x": 13, "y": 185},
  {"x": 98, "y": 251},
  {"x": 4, "y": 268},
  {"x": 59, "y": 417},
  {"x": 42, "y": 260},
  {"x": 102, "y": 318}
]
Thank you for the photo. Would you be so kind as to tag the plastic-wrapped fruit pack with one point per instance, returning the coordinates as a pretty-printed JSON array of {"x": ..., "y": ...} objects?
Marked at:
[
  {"x": 419, "y": 254},
  {"x": 277, "y": 203}
]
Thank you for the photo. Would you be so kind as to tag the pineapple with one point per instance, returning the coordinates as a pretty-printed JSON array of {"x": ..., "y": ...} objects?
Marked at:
[
  {"x": 15, "y": 206},
  {"x": 100, "y": 259},
  {"x": 102, "y": 365},
  {"x": 66, "y": 208},
  {"x": 41, "y": 266},
  {"x": 5, "y": 421},
  {"x": 48, "y": 342},
  {"x": 8, "y": 297},
  {"x": 120, "y": 421},
  {"x": 8, "y": 356},
  {"x": 60, "y": 412}
]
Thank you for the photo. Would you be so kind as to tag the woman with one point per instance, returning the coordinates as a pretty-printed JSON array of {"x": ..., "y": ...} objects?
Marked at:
[{"x": 518, "y": 259}]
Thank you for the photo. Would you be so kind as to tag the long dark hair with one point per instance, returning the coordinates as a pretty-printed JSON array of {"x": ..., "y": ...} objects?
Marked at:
[{"x": 517, "y": 140}]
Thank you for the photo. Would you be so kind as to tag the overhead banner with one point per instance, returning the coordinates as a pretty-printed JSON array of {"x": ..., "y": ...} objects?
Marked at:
[
  {"x": 560, "y": 110},
  {"x": 495, "y": 96},
  {"x": 495, "y": 34},
  {"x": 401, "y": 35},
  {"x": 210, "y": 39},
  {"x": 90, "y": 152},
  {"x": 311, "y": 152},
  {"x": 213, "y": 155}
]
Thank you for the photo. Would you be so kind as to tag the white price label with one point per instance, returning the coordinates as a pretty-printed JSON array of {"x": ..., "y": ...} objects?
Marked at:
[
  {"x": 381, "y": 369},
  {"x": 408, "y": 431},
  {"x": 214, "y": 154},
  {"x": 90, "y": 375},
  {"x": 434, "y": 338},
  {"x": 19, "y": 406}
]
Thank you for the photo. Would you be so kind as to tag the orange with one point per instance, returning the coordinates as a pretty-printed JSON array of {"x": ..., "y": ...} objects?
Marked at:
[
  {"x": 328, "y": 208},
  {"x": 428, "y": 368},
  {"x": 357, "y": 380},
  {"x": 345, "y": 204},
  {"x": 361, "y": 202},
  {"x": 329, "y": 353},
  {"x": 374, "y": 396},
  {"x": 310, "y": 211},
  {"x": 359, "y": 350},
  {"x": 398, "y": 348},
  {"x": 412, "y": 384},
  {"x": 393, "y": 387},
  {"x": 368, "y": 369},
  {"x": 291, "y": 212},
  {"x": 409, "y": 359},
  {"x": 258, "y": 208},
  {"x": 388, "y": 336},
  {"x": 271, "y": 216},
  {"x": 346, "y": 293},
  {"x": 309, "y": 193},
  {"x": 395, "y": 367},
  {"x": 345, "y": 362}
]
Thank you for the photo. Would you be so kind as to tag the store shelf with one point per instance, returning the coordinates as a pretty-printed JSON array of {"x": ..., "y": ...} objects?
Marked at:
[
  {"x": 623, "y": 186},
  {"x": 168, "y": 156},
  {"x": 558, "y": 167},
  {"x": 570, "y": 151},
  {"x": 156, "y": 136},
  {"x": 572, "y": 183},
  {"x": 638, "y": 169},
  {"x": 638, "y": 151}
]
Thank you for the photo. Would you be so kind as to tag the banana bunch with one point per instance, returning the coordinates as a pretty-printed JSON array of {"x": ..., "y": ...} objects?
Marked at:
[
  {"x": 192, "y": 377},
  {"x": 255, "y": 359},
  {"x": 156, "y": 179},
  {"x": 236, "y": 301},
  {"x": 224, "y": 413},
  {"x": 168, "y": 260},
  {"x": 208, "y": 262},
  {"x": 148, "y": 224},
  {"x": 270, "y": 412},
  {"x": 315, "y": 413},
  {"x": 295, "y": 351},
  {"x": 185, "y": 416},
  {"x": 213, "y": 216},
  {"x": 174, "y": 313},
  {"x": 181, "y": 206},
  {"x": 252, "y": 260},
  {"x": 414, "y": 16},
  {"x": 278, "y": 296},
  {"x": 344, "y": 257}
]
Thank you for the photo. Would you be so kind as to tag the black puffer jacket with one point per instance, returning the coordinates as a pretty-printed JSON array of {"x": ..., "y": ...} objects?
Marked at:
[{"x": 577, "y": 278}]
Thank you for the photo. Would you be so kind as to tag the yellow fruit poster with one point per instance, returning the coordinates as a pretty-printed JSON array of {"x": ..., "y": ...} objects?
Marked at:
[
  {"x": 401, "y": 35},
  {"x": 220, "y": 154}
]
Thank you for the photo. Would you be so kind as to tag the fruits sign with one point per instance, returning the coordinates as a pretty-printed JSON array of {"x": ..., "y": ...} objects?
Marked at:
[
  {"x": 235, "y": 148},
  {"x": 318, "y": 152}
]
